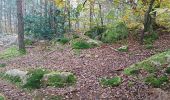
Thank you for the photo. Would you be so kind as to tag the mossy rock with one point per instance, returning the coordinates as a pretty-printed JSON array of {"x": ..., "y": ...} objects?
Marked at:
[
  {"x": 115, "y": 81},
  {"x": 58, "y": 79}
]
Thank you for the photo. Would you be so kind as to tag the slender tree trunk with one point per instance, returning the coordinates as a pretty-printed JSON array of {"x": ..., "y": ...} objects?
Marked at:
[
  {"x": 147, "y": 20},
  {"x": 100, "y": 14},
  {"x": 20, "y": 26}
]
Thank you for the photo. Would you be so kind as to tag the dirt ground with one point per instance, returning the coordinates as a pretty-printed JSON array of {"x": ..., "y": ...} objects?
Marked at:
[{"x": 89, "y": 66}]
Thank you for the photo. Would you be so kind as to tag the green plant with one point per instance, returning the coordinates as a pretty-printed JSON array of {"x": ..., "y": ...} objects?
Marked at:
[
  {"x": 115, "y": 81},
  {"x": 149, "y": 46},
  {"x": 150, "y": 38},
  {"x": 10, "y": 53},
  {"x": 34, "y": 79},
  {"x": 81, "y": 45},
  {"x": 58, "y": 81},
  {"x": 2, "y": 97},
  {"x": 156, "y": 81},
  {"x": 28, "y": 42},
  {"x": 75, "y": 36},
  {"x": 115, "y": 33},
  {"x": 2, "y": 65},
  {"x": 168, "y": 70},
  {"x": 12, "y": 79},
  {"x": 96, "y": 31},
  {"x": 63, "y": 40}
]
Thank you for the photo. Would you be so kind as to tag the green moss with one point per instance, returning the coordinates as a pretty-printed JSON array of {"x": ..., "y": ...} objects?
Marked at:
[
  {"x": 12, "y": 79},
  {"x": 147, "y": 65},
  {"x": 34, "y": 79},
  {"x": 10, "y": 53},
  {"x": 149, "y": 46},
  {"x": 81, "y": 44},
  {"x": 115, "y": 81},
  {"x": 2, "y": 65},
  {"x": 156, "y": 81},
  {"x": 60, "y": 81}
]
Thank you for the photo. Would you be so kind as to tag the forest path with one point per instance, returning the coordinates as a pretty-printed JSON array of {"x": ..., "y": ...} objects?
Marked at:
[{"x": 89, "y": 66}]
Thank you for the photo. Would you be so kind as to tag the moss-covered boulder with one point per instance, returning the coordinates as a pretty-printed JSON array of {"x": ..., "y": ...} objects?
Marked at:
[{"x": 58, "y": 79}]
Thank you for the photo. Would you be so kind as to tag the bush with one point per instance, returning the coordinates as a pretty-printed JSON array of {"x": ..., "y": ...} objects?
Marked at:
[
  {"x": 96, "y": 31},
  {"x": 111, "y": 82},
  {"x": 168, "y": 70},
  {"x": 123, "y": 49},
  {"x": 75, "y": 36},
  {"x": 150, "y": 38},
  {"x": 118, "y": 32},
  {"x": 34, "y": 79},
  {"x": 28, "y": 42},
  {"x": 2, "y": 65},
  {"x": 63, "y": 40},
  {"x": 81, "y": 45}
]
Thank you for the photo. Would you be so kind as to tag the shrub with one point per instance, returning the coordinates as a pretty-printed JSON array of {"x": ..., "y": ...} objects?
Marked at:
[
  {"x": 168, "y": 70},
  {"x": 63, "y": 40},
  {"x": 111, "y": 82},
  {"x": 28, "y": 42},
  {"x": 81, "y": 45},
  {"x": 96, "y": 31},
  {"x": 34, "y": 79},
  {"x": 150, "y": 38},
  {"x": 156, "y": 82},
  {"x": 2, "y": 97},
  {"x": 2, "y": 65},
  {"x": 115, "y": 33},
  {"x": 75, "y": 36}
]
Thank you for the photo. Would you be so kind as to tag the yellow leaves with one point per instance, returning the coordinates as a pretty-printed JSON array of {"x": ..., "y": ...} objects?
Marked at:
[{"x": 59, "y": 3}]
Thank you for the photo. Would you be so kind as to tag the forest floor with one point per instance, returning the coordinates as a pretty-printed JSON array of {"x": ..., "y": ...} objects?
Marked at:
[{"x": 89, "y": 66}]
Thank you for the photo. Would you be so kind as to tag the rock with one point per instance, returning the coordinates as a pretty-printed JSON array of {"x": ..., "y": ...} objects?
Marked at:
[
  {"x": 94, "y": 42},
  {"x": 56, "y": 77},
  {"x": 18, "y": 73},
  {"x": 9, "y": 39}
]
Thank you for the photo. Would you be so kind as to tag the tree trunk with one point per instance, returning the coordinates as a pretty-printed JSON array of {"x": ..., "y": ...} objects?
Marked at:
[
  {"x": 147, "y": 20},
  {"x": 20, "y": 26}
]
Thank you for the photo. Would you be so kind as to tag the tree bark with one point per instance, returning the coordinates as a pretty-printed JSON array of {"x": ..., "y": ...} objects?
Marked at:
[
  {"x": 147, "y": 20},
  {"x": 20, "y": 26}
]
